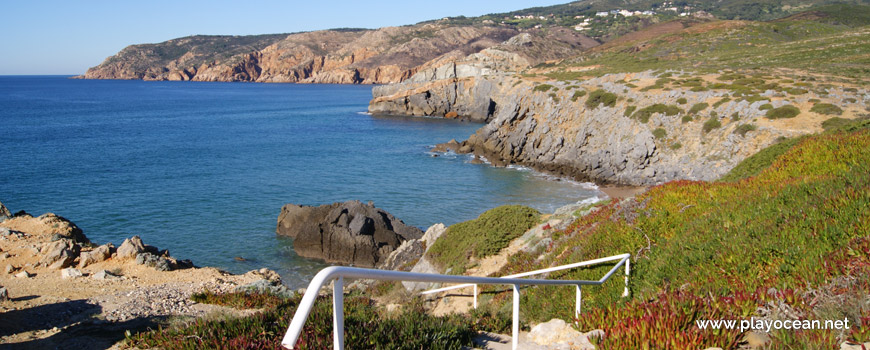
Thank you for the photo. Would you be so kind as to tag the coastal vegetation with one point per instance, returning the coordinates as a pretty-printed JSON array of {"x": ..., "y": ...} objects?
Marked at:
[
  {"x": 491, "y": 232},
  {"x": 784, "y": 112},
  {"x": 601, "y": 97},
  {"x": 366, "y": 327}
]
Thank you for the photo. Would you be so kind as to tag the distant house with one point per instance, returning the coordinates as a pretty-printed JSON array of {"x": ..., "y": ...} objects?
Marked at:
[{"x": 602, "y": 14}]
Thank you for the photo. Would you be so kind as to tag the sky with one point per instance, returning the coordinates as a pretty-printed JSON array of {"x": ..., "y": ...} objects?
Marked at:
[{"x": 67, "y": 37}]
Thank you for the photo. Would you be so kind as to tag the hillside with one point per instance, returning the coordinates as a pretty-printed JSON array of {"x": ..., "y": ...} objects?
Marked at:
[
  {"x": 685, "y": 99},
  {"x": 385, "y": 55},
  {"x": 393, "y": 54}
]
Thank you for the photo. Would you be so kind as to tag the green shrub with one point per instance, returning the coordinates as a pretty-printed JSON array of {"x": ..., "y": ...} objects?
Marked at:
[
  {"x": 578, "y": 94},
  {"x": 735, "y": 116},
  {"x": 795, "y": 91},
  {"x": 543, "y": 87},
  {"x": 554, "y": 97},
  {"x": 682, "y": 100},
  {"x": 629, "y": 110},
  {"x": 744, "y": 128},
  {"x": 687, "y": 118},
  {"x": 704, "y": 250},
  {"x": 837, "y": 123},
  {"x": 755, "y": 98},
  {"x": 711, "y": 124},
  {"x": 659, "y": 133},
  {"x": 644, "y": 114},
  {"x": 481, "y": 237},
  {"x": 721, "y": 102},
  {"x": 599, "y": 97},
  {"x": 826, "y": 109},
  {"x": 698, "y": 89},
  {"x": 787, "y": 111},
  {"x": 676, "y": 146},
  {"x": 698, "y": 107},
  {"x": 766, "y": 106}
]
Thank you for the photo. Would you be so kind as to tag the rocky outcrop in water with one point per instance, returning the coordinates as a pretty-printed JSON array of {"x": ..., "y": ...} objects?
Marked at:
[{"x": 347, "y": 233}]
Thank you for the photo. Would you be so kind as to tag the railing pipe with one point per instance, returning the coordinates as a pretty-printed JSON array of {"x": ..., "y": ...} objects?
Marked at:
[{"x": 340, "y": 272}]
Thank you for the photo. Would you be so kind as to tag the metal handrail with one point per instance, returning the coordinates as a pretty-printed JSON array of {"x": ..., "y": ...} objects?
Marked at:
[
  {"x": 623, "y": 259},
  {"x": 339, "y": 273}
]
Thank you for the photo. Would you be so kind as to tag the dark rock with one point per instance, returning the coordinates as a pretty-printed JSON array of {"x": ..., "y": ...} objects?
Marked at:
[
  {"x": 4, "y": 212},
  {"x": 451, "y": 145},
  {"x": 349, "y": 233},
  {"x": 159, "y": 263}
]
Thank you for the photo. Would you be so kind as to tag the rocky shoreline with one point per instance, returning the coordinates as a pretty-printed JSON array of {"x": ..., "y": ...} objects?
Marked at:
[
  {"x": 59, "y": 290},
  {"x": 552, "y": 126}
]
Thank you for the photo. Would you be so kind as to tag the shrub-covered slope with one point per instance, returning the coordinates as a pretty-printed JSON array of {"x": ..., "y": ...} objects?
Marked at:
[{"x": 796, "y": 237}]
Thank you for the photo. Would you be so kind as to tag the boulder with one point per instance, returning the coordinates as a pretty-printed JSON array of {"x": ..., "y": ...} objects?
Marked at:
[
  {"x": 422, "y": 266},
  {"x": 4, "y": 294},
  {"x": 432, "y": 234},
  {"x": 23, "y": 274},
  {"x": 104, "y": 275},
  {"x": 99, "y": 254},
  {"x": 131, "y": 248},
  {"x": 59, "y": 254},
  {"x": 346, "y": 233},
  {"x": 70, "y": 273},
  {"x": 557, "y": 332},
  {"x": 59, "y": 225},
  {"x": 159, "y": 263},
  {"x": 409, "y": 252}
]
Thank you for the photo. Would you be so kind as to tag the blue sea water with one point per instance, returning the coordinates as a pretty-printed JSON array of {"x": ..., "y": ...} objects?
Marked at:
[{"x": 202, "y": 169}]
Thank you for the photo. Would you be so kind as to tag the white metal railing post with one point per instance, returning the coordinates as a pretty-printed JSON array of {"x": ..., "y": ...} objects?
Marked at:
[
  {"x": 579, "y": 301},
  {"x": 627, "y": 269},
  {"x": 475, "y": 296},
  {"x": 338, "y": 314},
  {"x": 515, "y": 341}
]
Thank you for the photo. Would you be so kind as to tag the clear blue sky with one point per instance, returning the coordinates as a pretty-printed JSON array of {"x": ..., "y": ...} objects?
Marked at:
[{"x": 67, "y": 37}]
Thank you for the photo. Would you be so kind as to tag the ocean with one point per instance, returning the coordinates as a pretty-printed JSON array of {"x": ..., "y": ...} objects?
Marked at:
[{"x": 202, "y": 169}]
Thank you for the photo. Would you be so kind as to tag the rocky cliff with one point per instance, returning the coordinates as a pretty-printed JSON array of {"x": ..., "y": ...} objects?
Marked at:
[
  {"x": 385, "y": 55},
  {"x": 608, "y": 129}
]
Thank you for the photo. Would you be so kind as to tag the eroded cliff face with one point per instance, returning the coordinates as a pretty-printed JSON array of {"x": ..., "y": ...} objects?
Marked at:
[
  {"x": 551, "y": 127},
  {"x": 385, "y": 55},
  {"x": 461, "y": 86}
]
